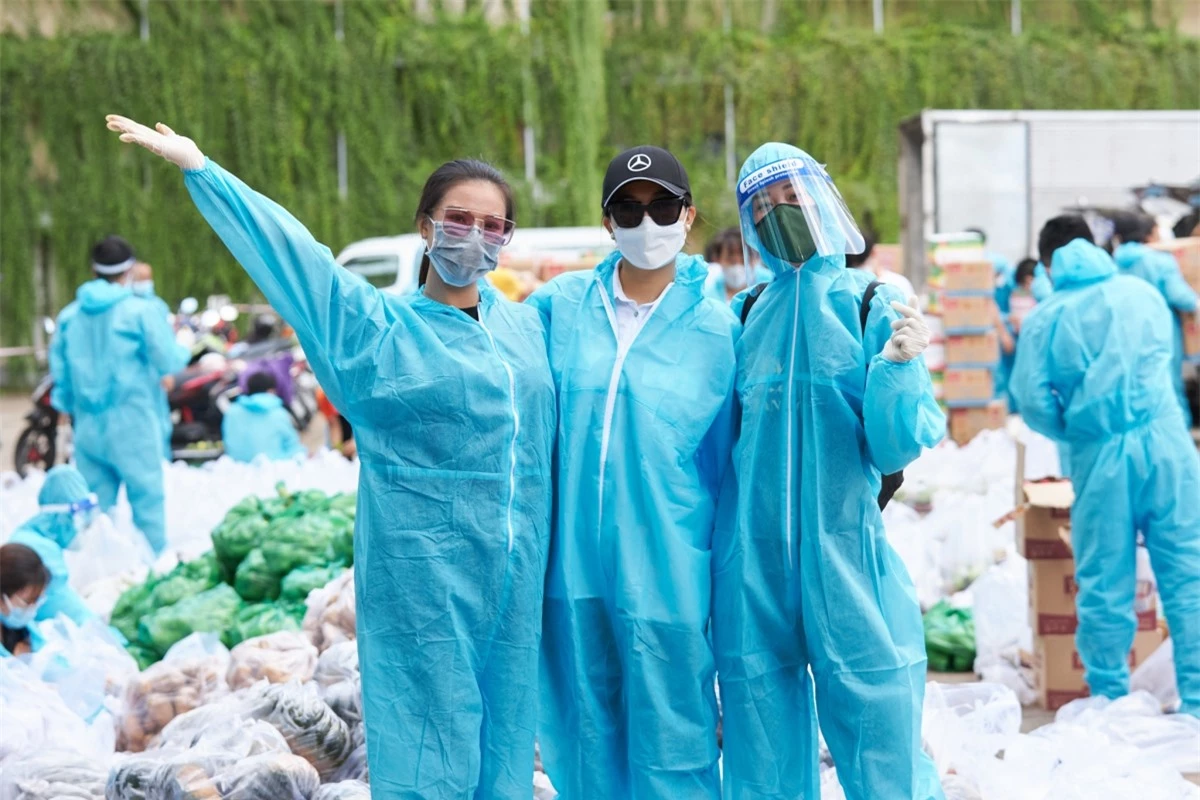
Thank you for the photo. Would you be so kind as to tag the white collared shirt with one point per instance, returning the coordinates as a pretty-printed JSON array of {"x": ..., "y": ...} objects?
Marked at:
[{"x": 631, "y": 315}]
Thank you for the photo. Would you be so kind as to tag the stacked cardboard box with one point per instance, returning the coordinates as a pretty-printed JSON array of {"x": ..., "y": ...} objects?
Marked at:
[
  {"x": 1044, "y": 538},
  {"x": 963, "y": 285},
  {"x": 1187, "y": 253}
]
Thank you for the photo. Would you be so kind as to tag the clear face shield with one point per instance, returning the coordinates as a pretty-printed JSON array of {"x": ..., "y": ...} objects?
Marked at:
[{"x": 790, "y": 212}]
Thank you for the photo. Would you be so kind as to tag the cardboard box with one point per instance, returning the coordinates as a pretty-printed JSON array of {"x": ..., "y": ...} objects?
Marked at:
[
  {"x": 1187, "y": 253},
  {"x": 965, "y": 423},
  {"x": 972, "y": 350},
  {"x": 1058, "y": 670},
  {"x": 973, "y": 385},
  {"x": 1191, "y": 334},
  {"x": 1052, "y": 590},
  {"x": 969, "y": 276},
  {"x": 968, "y": 313},
  {"x": 1044, "y": 511}
]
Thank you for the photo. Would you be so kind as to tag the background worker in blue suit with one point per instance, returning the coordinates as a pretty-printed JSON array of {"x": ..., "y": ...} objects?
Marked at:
[
  {"x": 1160, "y": 270},
  {"x": 110, "y": 353},
  {"x": 257, "y": 424},
  {"x": 1093, "y": 370},
  {"x": 67, "y": 508},
  {"x": 727, "y": 275},
  {"x": 23, "y": 580},
  {"x": 452, "y": 402},
  {"x": 803, "y": 576},
  {"x": 644, "y": 365},
  {"x": 143, "y": 286}
]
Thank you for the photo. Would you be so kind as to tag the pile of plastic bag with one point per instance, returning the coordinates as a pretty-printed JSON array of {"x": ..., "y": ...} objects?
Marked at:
[
  {"x": 267, "y": 557},
  {"x": 221, "y": 483},
  {"x": 1096, "y": 748}
]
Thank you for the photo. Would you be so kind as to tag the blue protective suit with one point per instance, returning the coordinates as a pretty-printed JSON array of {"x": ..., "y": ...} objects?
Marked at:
[
  {"x": 109, "y": 354},
  {"x": 1042, "y": 287},
  {"x": 164, "y": 407},
  {"x": 48, "y": 533},
  {"x": 714, "y": 285},
  {"x": 628, "y": 709},
  {"x": 803, "y": 575},
  {"x": 454, "y": 420},
  {"x": 1093, "y": 371},
  {"x": 1161, "y": 271},
  {"x": 258, "y": 425}
]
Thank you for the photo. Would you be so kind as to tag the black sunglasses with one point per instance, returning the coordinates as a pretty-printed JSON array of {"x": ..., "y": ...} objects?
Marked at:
[{"x": 630, "y": 213}]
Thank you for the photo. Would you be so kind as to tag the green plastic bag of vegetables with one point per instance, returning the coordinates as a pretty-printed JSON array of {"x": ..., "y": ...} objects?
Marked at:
[
  {"x": 240, "y": 532},
  {"x": 950, "y": 638},
  {"x": 344, "y": 504},
  {"x": 186, "y": 580},
  {"x": 132, "y": 605},
  {"x": 343, "y": 538},
  {"x": 208, "y": 612},
  {"x": 299, "y": 541},
  {"x": 255, "y": 581},
  {"x": 302, "y": 580},
  {"x": 260, "y": 619}
]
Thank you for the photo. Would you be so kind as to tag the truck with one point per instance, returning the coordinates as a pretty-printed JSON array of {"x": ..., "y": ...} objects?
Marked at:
[{"x": 1007, "y": 172}]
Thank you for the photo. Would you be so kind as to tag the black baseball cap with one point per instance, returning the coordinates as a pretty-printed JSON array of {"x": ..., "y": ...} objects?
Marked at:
[{"x": 646, "y": 163}]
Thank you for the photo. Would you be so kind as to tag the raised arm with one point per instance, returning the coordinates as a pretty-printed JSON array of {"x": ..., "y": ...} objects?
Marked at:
[
  {"x": 900, "y": 414},
  {"x": 339, "y": 319}
]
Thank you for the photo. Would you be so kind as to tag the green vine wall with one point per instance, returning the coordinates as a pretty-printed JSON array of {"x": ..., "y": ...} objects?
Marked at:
[{"x": 264, "y": 88}]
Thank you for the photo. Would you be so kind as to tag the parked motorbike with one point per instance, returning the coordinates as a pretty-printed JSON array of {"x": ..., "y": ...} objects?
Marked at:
[{"x": 42, "y": 443}]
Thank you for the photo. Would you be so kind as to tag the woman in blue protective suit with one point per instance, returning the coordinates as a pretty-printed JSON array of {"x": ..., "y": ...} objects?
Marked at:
[
  {"x": 66, "y": 508},
  {"x": 450, "y": 395},
  {"x": 806, "y": 588},
  {"x": 644, "y": 365},
  {"x": 23, "y": 581}
]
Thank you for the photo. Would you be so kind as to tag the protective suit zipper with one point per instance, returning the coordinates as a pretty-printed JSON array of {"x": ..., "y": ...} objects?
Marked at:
[
  {"x": 512, "y": 450},
  {"x": 610, "y": 401},
  {"x": 788, "y": 412}
]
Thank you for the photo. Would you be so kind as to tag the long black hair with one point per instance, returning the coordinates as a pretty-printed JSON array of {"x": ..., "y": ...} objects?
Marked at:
[{"x": 445, "y": 178}]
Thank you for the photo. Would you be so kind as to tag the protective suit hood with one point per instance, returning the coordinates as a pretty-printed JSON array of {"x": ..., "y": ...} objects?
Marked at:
[
  {"x": 832, "y": 230},
  {"x": 1130, "y": 253},
  {"x": 97, "y": 296},
  {"x": 64, "y": 485},
  {"x": 260, "y": 403},
  {"x": 1079, "y": 263}
]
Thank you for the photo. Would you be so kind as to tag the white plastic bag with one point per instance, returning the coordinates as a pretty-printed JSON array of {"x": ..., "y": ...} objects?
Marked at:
[
  {"x": 1156, "y": 675},
  {"x": 86, "y": 664},
  {"x": 53, "y": 775},
  {"x": 277, "y": 657},
  {"x": 330, "y": 618}
]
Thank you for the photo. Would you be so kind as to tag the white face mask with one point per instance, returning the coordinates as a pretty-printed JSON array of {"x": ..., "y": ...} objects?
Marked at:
[
  {"x": 650, "y": 246},
  {"x": 144, "y": 288},
  {"x": 462, "y": 260},
  {"x": 735, "y": 276}
]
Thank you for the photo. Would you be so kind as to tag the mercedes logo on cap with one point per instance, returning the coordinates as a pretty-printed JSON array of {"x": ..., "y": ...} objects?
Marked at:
[{"x": 639, "y": 163}]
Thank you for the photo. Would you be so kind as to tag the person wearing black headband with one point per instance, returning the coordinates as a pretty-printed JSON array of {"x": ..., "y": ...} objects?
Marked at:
[{"x": 110, "y": 352}]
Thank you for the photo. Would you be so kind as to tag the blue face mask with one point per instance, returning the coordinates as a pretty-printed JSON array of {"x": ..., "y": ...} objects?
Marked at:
[
  {"x": 18, "y": 616},
  {"x": 462, "y": 260},
  {"x": 143, "y": 288}
]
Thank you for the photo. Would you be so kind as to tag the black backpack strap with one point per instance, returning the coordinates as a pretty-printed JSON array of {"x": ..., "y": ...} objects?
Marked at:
[
  {"x": 751, "y": 299},
  {"x": 864, "y": 308}
]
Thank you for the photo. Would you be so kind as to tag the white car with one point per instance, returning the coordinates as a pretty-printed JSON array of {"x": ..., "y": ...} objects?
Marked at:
[{"x": 393, "y": 263}]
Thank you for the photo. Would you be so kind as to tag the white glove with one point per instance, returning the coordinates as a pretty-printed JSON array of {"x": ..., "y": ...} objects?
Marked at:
[
  {"x": 179, "y": 150},
  {"x": 910, "y": 334}
]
